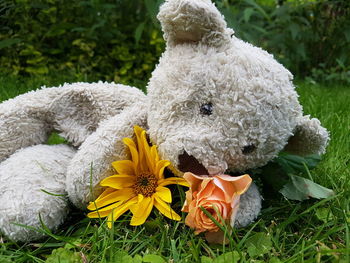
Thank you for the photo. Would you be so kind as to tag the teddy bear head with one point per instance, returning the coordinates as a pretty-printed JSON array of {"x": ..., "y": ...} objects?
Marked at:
[{"x": 217, "y": 103}]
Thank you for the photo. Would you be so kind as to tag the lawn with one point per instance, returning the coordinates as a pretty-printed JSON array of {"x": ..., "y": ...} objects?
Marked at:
[{"x": 286, "y": 231}]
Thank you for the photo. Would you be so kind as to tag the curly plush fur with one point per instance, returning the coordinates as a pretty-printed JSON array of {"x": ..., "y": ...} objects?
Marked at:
[
  {"x": 214, "y": 104},
  {"x": 24, "y": 177}
]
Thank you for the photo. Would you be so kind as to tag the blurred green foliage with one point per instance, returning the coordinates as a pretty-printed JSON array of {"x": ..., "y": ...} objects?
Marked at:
[
  {"x": 310, "y": 37},
  {"x": 113, "y": 40},
  {"x": 121, "y": 40}
]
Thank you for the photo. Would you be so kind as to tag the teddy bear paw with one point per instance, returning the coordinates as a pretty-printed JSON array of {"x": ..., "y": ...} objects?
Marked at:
[{"x": 32, "y": 189}]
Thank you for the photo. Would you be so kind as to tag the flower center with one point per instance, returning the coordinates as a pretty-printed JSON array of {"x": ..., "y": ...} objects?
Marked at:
[{"x": 146, "y": 184}]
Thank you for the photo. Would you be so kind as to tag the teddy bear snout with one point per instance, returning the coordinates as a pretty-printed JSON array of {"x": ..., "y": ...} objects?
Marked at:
[{"x": 188, "y": 163}]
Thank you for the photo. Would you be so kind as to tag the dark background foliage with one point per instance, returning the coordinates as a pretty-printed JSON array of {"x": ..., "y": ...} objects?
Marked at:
[{"x": 121, "y": 40}]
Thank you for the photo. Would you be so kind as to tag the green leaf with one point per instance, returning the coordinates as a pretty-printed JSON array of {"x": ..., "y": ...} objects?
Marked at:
[
  {"x": 205, "y": 259},
  {"x": 247, "y": 14},
  {"x": 259, "y": 29},
  {"x": 231, "y": 257},
  {"x": 55, "y": 32},
  {"x": 294, "y": 29},
  {"x": 279, "y": 175},
  {"x": 137, "y": 259},
  {"x": 127, "y": 259},
  {"x": 294, "y": 164},
  {"x": 138, "y": 32},
  {"x": 35, "y": 60},
  {"x": 29, "y": 51},
  {"x": 73, "y": 243},
  {"x": 55, "y": 51},
  {"x": 153, "y": 259},
  {"x": 258, "y": 8},
  {"x": 274, "y": 260},
  {"x": 300, "y": 188},
  {"x": 259, "y": 244},
  {"x": 121, "y": 257},
  {"x": 324, "y": 214},
  {"x": 37, "y": 70},
  {"x": 64, "y": 255},
  {"x": 152, "y": 7},
  {"x": 9, "y": 42}
]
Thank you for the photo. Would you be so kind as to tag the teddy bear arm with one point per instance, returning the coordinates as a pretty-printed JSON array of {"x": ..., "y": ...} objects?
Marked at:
[
  {"x": 249, "y": 207},
  {"x": 23, "y": 121},
  {"x": 92, "y": 163},
  {"x": 75, "y": 110},
  {"x": 78, "y": 112},
  {"x": 309, "y": 137}
]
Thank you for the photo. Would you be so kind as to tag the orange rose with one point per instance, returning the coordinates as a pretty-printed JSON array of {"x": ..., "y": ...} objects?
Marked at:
[{"x": 220, "y": 191}]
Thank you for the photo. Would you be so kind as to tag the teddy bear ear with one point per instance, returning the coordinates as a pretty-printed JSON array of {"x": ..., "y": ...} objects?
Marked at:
[
  {"x": 193, "y": 21},
  {"x": 309, "y": 137}
]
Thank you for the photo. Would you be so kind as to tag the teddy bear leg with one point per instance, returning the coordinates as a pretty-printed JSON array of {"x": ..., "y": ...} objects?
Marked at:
[
  {"x": 26, "y": 180},
  {"x": 249, "y": 207}
]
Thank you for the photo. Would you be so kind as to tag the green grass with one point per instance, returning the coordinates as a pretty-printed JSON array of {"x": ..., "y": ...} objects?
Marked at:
[{"x": 286, "y": 231}]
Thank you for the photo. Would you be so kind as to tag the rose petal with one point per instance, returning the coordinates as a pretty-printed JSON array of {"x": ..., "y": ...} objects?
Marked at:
[
  {"x": 207, "y": 188},
  {"x": 194, "y": 180},
  {"x": 241, "y": 183},
  {"x": 219, "y": 195}
]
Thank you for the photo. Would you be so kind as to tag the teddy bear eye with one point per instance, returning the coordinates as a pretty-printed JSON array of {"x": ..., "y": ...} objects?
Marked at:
[
  {"x": 206, "y": 109},
  {"x": 248, "y": 149}
]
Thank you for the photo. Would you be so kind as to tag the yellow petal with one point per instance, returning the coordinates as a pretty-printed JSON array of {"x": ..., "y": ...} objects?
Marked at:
[
  {"x": 165, "y": 209},
  {"x": 149, "y": 162},
  {"x": 173, "y": 180},
  {"x": 159, "y": 169},
  {"x": 118, "y": 181},
  {"x": 138, "y": 131},
  {"x": 154, "y": 153},
  {"x": 141, "y": 147},
  {"x": 118, "y": 195},
  {"x": 111, "y": 207},
  {"x": 134, "y": 208},
  {"x": 117, "y": 212},
  {"x": 145, "y": 160},
  {"x": 124, "y": 167},
  {"x": 133, "y": 150},
  {"x": 164, "y": 194},
  {"x": 98, "y": 214},
  {"x": 103, "y": 212},
  {"x": 175, "y": 171},
  {"x": 105, "y": 192},
  {"x": 142, "y": 212}
]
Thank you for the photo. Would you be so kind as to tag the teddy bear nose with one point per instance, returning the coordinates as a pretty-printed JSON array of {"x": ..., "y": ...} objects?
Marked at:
[{"x": 188, "y": 163}]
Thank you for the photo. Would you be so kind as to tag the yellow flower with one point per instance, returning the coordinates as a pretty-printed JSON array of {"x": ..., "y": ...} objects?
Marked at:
[{"x": 138, "y": 185}]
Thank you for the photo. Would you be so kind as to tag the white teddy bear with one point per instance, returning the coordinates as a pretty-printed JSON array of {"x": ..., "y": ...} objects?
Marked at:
[{"x": 214, "y": 104}]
